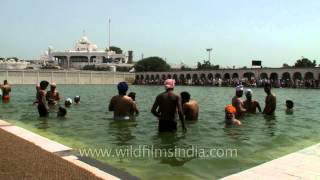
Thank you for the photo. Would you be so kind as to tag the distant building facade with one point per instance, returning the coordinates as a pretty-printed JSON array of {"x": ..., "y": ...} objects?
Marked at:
[{"x": 87, "y": 53}]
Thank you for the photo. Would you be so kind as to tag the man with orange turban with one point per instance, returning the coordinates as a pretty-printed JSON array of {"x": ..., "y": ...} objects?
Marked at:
[{"x": 230, "y": 116}]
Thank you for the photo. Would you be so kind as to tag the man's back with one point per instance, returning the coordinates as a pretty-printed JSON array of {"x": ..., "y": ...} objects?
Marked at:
[
  {"x": 191, "y": 110},
  {"x": 122, "y": 105},
  {"x": 168, "y": 103}
]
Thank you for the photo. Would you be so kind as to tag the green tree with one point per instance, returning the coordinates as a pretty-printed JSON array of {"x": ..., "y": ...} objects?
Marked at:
[
  {"x": 285, "y": 65},
  {"x": 115, "y": 49},
  {"x": 152, "y": 64},
  {"x": 206, "y": 65},
  {"x": 305, "y": 62}
]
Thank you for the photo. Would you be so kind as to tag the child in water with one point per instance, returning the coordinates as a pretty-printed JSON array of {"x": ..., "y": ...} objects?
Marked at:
[
  {"x": 132, "y": 95},
  {"x": 76, "y": 100},
  {"x": 289, "y": 105},
  {"x": 68, "y": 102},
  {"x": 62, "y": 112}
]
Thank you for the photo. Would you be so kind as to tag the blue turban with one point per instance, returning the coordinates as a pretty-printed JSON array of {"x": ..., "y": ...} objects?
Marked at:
[{"x": 123, "y": 86}]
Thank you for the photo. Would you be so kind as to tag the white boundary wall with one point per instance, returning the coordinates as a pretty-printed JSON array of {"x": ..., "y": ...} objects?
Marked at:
[{"x": 65, "y": 77}]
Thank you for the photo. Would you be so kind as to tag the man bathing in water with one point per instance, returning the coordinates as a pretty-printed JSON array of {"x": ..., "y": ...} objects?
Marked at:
[
  {"x": 250, "y": 104},
  {"x": 271, "y": 101},
  {"x": 165, "y": 108},
  {"x": 190, "y": 107},
  {"x": 43, "y": 107},
  {"x": 53, "y": 96},
  {"x": 6, "y": 89},
  {"x": 237, "y": 102},
  {"x": 122, "y": 105},
  {"x": 230, "y": 116}
]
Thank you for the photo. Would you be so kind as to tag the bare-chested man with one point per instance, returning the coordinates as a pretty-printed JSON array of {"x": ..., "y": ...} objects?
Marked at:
[
  {"x": 43, "y": 107},
  {"x": 250, "y": 104},
  {"x": 237, "y": 102},
  {"x": 165, "y": 108},
  {"x": 271, "y": 101},
  {"x": 53, "y": 96},
  {"x": 122, "y": 105},
  {"x": 190, "y": 107},
  {"x": 6, "y": 89},
  {"x": 230, "y": 116}
]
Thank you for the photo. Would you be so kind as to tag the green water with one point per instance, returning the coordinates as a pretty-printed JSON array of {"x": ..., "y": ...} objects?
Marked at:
[{"x": 89, "y": 124}]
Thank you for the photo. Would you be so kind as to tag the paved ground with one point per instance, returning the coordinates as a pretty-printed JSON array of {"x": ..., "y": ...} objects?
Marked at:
[
  {"x": 23, "y": 160},
  {"x": 303, "y": 164}
]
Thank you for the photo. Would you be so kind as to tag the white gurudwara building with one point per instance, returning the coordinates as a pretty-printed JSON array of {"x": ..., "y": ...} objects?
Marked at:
[{"x": 87, "y": 53}]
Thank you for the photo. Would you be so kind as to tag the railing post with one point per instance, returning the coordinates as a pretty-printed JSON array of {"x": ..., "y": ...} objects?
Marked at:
[
  {"x": 90, "y": 77},
  {"x": 79, "y": 77},
  {"x": 38, "y": 77},
  {"x": 66, "y": 77},
  {"x": 22, "y": 80}
]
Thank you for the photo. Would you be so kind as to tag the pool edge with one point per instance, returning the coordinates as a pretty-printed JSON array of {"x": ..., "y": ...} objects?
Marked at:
[
  {"x": 64, "y": 152},
  {"x": 302, "y": 164}
]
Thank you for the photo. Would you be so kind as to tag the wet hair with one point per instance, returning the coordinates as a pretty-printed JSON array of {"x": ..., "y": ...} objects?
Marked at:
[
  {"x": 289, "y": 104},
  {"x": 132, "y": 95},
  {"x": 5, "y": 82},
  {"x": 267, "y": 85},
  {"x": 122, "y": 88},
  {"x": 44, "y": 84},
  {"x": 62, "y": 112},
  {"x": 185, "y": 96},
  {"x": 76, "y": 99}
]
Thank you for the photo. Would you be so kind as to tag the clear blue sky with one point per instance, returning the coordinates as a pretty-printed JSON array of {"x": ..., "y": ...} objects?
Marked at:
[{"x": 273, "y": 31}]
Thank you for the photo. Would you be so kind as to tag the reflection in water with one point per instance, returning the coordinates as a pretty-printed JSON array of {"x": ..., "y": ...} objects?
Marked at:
[
  {"x": 270, "y": 124},
  {"x": 121, "y": 130},
  {"x": 169, "y": 151},
  {"x": 42, "y": 123}
]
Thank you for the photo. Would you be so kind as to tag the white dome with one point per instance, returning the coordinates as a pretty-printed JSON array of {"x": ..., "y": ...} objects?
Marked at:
[
  {"x": 84, "y": 39},
  {"x": 85, "y": 45}
]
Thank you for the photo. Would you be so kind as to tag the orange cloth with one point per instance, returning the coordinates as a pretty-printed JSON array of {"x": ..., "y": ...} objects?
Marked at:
[{"x": 230, "y": 109}]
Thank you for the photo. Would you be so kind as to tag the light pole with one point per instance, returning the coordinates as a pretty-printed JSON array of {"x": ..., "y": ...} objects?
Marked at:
[
  {"x": 209, "y": 53},
  {"x": 109, "y": 28}
]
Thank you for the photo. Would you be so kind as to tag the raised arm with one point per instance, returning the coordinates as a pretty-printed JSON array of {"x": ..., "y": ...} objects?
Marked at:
[
  {"x": 155, "y": 107},
  {"x": 181, "y": 116}
]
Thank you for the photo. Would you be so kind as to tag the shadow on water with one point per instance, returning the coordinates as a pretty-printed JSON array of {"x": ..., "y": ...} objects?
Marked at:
[
  {"x": 168, "y": 150},
  {"x": 121, "y": 130},
  {"x": 270, "y": 122},
  {"x": 42, "y": 123}
]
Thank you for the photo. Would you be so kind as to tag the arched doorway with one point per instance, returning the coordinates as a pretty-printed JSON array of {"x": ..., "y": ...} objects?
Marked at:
[
  {"x": 297, "y": 76},
  {"x": 152, "y": 77},
  {"x": 309, "y": 76},
  {"x": 235, "y": 76},
  {"x": 137, "y": 77},
  {"x": 286, "y": 76},
  {"x": 147, "y": 77},
  {"x": 188, "y": 76},
  {"x": 163, "y": 77},
  {"x": 263, "y": 76},
  {"x": 249, "y": 75},
  {"x": 274, "y": 76},
  {"x": 210, "y": 76},
  {"x": 226, "y": 76},
  {"x": 217, "y": 76},
  {"x": 169, "y": 76}
]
